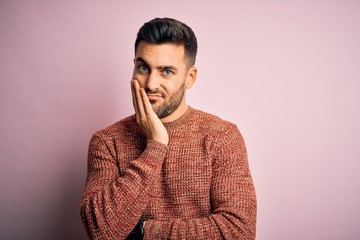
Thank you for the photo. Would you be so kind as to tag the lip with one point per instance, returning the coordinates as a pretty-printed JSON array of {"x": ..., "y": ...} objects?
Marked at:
[{"x": 153, "y": 96}]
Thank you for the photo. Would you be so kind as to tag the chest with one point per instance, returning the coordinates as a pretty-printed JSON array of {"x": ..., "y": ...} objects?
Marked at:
[
  {"x": 186, "y": 167},
  {"x": 183, "y": 187}
]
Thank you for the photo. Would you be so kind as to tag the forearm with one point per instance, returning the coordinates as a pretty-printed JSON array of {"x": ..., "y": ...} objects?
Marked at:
[
  {"x": 223, "y": 225},
  {"x": 232, "y": 196},
  {"x": 233, "y": 215}
]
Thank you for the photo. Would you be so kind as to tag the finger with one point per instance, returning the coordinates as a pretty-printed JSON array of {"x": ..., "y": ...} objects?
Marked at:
[
  {"x": 137, "y": 114},
  {"x": 147, "y": 105},
  {"x": 133, "y": 96},
  {"x": 138, "y": 100}
]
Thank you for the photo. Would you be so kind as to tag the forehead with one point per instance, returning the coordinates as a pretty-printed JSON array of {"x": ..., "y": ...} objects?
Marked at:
[{"x": 161, "y": 54}]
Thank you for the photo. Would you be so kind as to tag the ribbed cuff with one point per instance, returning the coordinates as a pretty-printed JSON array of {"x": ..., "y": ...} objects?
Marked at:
[{"x": 157, "y": 229}]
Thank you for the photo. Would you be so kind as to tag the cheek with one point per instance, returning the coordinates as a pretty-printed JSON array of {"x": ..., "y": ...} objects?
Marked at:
[
  {"x": 135, "y": 73},
  {"x": 173, "y": 88},
  {"x": 140, "y": 78},
  {"x": 169, "y": 86}
]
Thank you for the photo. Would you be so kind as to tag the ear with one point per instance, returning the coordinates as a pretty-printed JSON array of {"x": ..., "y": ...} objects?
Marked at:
[{"x": 191, "y": 77}]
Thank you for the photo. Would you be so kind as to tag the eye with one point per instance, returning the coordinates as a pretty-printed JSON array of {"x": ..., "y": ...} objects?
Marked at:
[
  {"x": 168, "y": 72},
  {"x": 143, "y": 68}
]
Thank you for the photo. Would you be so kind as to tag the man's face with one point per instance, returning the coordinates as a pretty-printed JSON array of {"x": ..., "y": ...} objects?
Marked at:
[{"x": 161, "y": 70}]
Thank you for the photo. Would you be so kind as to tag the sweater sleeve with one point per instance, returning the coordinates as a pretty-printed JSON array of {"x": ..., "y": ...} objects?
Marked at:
[
  {"x": 233, "y": 198},
  {"x": 112, "y": 204}
]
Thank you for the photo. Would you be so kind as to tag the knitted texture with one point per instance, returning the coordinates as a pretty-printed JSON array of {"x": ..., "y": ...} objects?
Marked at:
[{"x": 197, "y": 187}]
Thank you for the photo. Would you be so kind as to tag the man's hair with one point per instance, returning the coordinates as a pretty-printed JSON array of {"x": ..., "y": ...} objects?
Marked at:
[{"x": 168, "y": 30}]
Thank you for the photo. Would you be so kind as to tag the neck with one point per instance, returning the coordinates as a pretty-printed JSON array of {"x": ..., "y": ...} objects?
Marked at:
[{"x": 176, "y": 114}]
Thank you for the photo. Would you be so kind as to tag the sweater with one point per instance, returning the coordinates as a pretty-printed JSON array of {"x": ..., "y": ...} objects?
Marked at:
[{"x": 197, "y": 187}]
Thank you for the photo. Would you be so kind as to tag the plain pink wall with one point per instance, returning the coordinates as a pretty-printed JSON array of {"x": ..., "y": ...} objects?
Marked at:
[{"x": 286, "y": 72}]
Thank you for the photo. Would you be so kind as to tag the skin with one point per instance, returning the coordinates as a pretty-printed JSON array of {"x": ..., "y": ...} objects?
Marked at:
[{"x": 160, "y": 78}]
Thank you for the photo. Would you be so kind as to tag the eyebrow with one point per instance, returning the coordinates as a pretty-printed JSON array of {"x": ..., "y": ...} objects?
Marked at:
[
  {"x": 166, "y": 67},
  {"x": 140, "y": 59}
]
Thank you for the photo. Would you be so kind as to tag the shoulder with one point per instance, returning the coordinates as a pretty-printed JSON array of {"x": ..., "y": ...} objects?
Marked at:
[
  {"x": 219, "y": 133},
  {"x": 211, "y": 122},
  {"x": 121, "y": 128}
]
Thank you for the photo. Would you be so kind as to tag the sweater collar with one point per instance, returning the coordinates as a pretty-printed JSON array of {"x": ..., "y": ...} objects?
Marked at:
[{"x": 180, "y": 121}]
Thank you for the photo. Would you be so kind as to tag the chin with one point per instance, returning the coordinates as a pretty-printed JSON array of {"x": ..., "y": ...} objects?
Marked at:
[{"x": 156, "y": 108}]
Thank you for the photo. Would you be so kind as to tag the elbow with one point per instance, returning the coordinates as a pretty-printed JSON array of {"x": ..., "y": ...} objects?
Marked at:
[{"x": 87, "y": 217}]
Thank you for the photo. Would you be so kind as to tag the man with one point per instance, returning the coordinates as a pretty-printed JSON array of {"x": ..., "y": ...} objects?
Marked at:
[{"x": 169, "y": 171}]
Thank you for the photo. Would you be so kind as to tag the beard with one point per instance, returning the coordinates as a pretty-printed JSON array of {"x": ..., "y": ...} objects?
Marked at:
[{"x": 168, "y": 107}]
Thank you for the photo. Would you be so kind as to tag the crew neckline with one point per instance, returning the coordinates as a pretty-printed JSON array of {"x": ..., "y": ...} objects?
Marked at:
[{"x": 179, "y": 121}]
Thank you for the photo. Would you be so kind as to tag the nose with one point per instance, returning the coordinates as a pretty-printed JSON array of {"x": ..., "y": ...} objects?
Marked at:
[{"x": 153, "y": 81}]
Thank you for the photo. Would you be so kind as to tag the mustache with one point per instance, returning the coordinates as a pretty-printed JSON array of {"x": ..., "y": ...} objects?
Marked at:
[{"x": 154, "y": 92}]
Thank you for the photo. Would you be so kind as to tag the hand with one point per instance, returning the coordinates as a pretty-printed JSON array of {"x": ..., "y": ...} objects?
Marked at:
[{"x": 146, "y": 118}]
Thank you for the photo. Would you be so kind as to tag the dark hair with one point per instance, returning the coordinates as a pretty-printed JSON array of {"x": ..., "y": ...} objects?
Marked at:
[{"x": 168, "y": 30}]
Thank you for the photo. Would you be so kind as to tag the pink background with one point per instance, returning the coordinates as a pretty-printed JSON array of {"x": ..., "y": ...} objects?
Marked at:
[{"x": 286, "y": 72}]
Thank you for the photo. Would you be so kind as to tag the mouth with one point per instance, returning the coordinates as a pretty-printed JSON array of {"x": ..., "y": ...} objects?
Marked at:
[{"x": 154, "y": 97}]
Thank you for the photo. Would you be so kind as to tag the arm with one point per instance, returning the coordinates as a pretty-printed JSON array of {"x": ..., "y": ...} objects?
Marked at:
[
  {"x": 112, "y": 204},
  {"x": 233, "y": 198}
]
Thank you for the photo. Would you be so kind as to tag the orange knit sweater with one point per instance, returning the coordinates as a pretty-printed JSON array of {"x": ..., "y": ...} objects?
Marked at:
[{"x": 197, "y": 187}]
